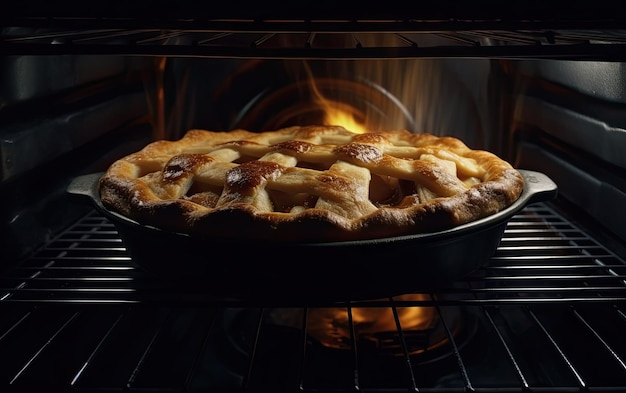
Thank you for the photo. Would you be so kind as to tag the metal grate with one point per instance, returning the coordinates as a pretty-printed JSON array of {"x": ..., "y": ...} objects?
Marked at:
[
  {"x": 548, "y": 312},
  {"x": 289, "y": 38}
]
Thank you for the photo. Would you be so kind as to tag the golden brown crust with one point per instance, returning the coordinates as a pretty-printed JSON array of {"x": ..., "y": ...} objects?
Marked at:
[{"x": 309, "y": 183}]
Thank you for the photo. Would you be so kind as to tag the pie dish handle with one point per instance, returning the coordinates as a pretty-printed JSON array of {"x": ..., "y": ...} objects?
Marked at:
[
  {"x": 538, "y": 187},
  {"x": 84, "y": 188}
]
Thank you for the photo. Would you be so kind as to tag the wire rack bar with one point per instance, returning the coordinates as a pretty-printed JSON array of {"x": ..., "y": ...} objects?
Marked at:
[
  {"x": 556, "y": 347},
  {"x": 509, "y": 351}
]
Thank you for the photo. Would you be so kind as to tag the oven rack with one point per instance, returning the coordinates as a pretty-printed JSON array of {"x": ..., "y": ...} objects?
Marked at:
[
  {"x": 542, "y": 255},
  {"x": 324, "y": 38},
  {"x": 547, "y": 313}
]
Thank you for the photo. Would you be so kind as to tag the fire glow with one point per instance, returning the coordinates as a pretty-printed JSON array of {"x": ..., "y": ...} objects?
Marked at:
[
  {"x": 331, "y": 326},
  {"x": 336, "y": 114},
  {"x": 373, "y": 328}
]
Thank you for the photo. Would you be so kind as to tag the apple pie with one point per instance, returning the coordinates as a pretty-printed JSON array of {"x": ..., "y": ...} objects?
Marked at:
[{"x": 308, "y": 184}]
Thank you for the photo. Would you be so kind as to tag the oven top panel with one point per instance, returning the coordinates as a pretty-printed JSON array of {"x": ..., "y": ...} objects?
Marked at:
[{"x": 318, "y": 31}]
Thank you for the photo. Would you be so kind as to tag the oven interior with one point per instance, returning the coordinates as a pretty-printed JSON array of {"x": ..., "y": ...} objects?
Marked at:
[{"x": 547, "y": 93}]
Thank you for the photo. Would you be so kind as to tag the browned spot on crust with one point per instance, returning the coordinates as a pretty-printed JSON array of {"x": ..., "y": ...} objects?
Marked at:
[
  {"x": 360, "y": 152},
  {"x": 296, "y": 146},
  {"x": 251, "y": 174},
  {"x": 336, "y": 182},
  {"x": 183, "y": 164}
]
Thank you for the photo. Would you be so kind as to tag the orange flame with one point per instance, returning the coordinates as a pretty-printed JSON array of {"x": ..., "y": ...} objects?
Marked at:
[
  {"x": 338, "y": 113},
  {"x": 335, "y": 115}
]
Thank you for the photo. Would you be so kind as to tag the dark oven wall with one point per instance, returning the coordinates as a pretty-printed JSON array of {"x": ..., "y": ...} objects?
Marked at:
[
  {"x": 61, "y": 116},
  {"x": 568, "y": 119}
]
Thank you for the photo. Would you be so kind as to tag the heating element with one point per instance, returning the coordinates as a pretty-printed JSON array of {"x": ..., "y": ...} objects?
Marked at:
[{"x": 547, "y": 312}]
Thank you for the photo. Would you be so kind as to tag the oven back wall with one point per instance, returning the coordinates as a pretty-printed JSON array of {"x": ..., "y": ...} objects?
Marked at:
[{"x": 422, "y": 95}]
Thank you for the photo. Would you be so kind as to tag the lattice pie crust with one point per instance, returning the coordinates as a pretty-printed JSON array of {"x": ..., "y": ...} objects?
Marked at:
[{"x": 313, "y": 183}]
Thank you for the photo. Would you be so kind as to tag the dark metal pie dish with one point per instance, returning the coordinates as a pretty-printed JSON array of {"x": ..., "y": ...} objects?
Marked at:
[{"x": 347, "y": 270}]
